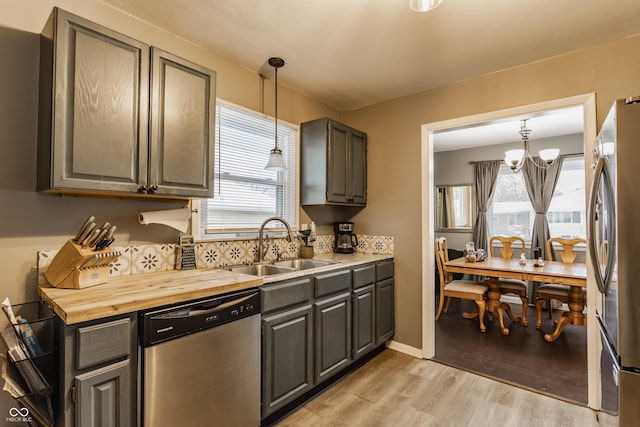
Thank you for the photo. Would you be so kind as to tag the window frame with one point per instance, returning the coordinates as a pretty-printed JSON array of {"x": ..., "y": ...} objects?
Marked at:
[
  {"x": 248, "y": 233},
  {"x": 493, "y": 216}
]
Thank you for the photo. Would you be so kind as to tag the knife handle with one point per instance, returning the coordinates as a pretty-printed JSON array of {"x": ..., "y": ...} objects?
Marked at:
[
  {"x": 91, "y": 239},
  {"x": 82, "y": 228},
  {"x": 86, "y": 233}
]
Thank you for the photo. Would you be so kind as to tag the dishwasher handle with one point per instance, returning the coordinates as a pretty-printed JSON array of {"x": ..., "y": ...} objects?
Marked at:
[
  {"x": 211, "y": 307},
  {"x": 201, "y": 309},
  {"x": 170, "y": 323}
]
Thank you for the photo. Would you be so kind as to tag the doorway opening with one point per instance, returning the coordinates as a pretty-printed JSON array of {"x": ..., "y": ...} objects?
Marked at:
[{"x": 587, "y": 103}]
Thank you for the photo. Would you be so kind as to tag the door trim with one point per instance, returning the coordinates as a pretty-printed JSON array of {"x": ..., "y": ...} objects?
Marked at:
[{"x": 588, "y": 102}]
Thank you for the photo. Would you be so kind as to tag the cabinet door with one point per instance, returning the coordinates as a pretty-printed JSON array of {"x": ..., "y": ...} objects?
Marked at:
[
  {"x": 182, "y": 127},
  {"x": 332, "y": 335},
  {"x": 102, "y": 396},
  {"x": 358, "y": 168},
  {"x": 364, "y": 338},
  {"x": 338, "y": 175},
  {"x": 287, "y": 357},
  {"x": 100, "y": 108},
  {"x": 384, "y": 311}
]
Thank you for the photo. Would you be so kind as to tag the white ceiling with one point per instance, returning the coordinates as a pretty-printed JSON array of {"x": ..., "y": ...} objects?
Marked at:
[
  {"x": 567, "y": 121},
  {"x": 353, "y": 53}
]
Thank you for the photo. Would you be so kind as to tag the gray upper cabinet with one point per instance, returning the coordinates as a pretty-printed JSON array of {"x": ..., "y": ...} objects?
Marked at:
[
  {"x": 182, "y": 126},
  {"x": 333, "y": 164},
  {"x": 120, "y": 117}
]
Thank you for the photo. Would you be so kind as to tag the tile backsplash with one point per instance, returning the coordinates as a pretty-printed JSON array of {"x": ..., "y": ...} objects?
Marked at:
[{"x": 139, "y": 259}]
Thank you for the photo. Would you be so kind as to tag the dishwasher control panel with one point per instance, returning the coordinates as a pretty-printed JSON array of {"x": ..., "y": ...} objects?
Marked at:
[{"x": 171, "y": 322}]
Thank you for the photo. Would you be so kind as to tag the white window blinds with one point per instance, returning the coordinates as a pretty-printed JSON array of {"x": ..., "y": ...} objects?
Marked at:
[{"x": 245, "y": 194}]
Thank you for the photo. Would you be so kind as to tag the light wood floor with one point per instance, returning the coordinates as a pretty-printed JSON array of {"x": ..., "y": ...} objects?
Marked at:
[{"x": 397, "y": 390}]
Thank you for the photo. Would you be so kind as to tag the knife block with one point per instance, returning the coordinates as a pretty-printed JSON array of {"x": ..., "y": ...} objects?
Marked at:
[{"x": 72, "y": 267}]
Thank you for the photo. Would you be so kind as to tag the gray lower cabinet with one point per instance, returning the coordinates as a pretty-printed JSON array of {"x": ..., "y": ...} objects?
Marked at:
[
  {"x": 315, "y": 326},
  {"x": 364, "y": 317},
  {"x": 100, "y": 397},
  {"x": 287, "y": 363},
  {"x": 364, "y": 310},
  {"x": 332, "y": 335},
  {"x": 287, "y": 342},
  {"x": 385, "y": 311},
  {"x": 98, "y": 380},
  {"x": 118, "y": 116}
]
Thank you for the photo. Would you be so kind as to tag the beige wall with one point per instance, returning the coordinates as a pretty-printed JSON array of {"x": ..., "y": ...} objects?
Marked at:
[
  {"x": 31, "y": 221},
  {"x": 393, "y": 128}
]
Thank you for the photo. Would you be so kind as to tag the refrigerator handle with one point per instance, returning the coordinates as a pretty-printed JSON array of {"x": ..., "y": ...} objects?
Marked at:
[
  {"x": 612, "y": 352},
  {"x": 602, "y": 176}
]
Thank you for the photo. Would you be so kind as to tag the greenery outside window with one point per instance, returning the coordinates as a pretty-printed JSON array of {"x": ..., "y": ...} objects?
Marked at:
[
  {"x": 512, "y": 214},
  {"x": 245, "y": 194}
]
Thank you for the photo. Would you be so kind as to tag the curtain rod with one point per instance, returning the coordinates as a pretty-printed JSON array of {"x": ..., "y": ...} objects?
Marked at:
[{"x": 473, "y": 162}]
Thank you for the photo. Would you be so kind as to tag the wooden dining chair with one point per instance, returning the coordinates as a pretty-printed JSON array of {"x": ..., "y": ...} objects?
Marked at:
[
  {"x": 511, "y": 286},
  {"x": 557, "y": 292},
  {"x": 461, "y": 288}
]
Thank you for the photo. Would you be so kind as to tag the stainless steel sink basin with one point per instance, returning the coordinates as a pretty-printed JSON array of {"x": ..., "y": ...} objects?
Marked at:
[
  {"x": 261, "y": 269},
  {"x": 302, "y": 264}
]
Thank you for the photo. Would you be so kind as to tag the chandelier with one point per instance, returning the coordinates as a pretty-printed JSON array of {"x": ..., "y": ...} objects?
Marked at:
[
  {"x": 515, "y": 158},
  {"x": 423, "y": 5}
]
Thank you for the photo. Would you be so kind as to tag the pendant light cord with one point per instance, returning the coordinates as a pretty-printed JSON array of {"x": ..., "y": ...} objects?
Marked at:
[{"x": 276, "y": 118}]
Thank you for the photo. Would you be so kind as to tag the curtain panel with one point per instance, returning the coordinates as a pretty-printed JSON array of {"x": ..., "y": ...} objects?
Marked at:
[
  {"x": 486, "y": 176},
  {"x": 540, "y": 182}
]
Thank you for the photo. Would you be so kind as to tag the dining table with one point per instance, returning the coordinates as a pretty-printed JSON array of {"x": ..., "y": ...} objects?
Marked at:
[{"x": 556, "y": 272}]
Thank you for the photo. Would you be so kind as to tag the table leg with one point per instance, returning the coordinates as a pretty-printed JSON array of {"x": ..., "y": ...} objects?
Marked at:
[
  {"x": 573, "y": 317},
  {"x": 494, "y": 304}
]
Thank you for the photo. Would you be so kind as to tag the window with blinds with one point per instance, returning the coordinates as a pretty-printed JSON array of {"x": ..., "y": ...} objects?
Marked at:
[{"x": 245, "y": 194}]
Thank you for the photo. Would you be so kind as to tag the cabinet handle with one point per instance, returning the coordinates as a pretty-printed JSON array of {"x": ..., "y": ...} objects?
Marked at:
[
  {"x": 142, "y": 189},
  {"x": 152, "y": 189}
]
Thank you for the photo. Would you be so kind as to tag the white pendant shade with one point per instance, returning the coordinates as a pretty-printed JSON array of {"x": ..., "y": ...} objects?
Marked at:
[
  {"x": 513, "y": 157},
  {"x": 549, "y": 155},
  {"x": 423, "y": 5},
  {"x": 276, "y": 162}
]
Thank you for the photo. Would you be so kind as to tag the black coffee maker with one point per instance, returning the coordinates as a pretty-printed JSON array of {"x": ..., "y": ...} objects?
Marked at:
[{"x": 345, "y": 238}]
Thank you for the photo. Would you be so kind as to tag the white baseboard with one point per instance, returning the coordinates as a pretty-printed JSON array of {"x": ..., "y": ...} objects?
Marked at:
[{"x": 406, "y": 349}]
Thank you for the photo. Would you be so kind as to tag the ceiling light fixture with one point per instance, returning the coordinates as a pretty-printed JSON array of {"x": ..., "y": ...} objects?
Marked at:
[
  {"x": 276, "y": 162},
  {"x": 515, "y": 158},
  {"x": 423, "y": 5}
]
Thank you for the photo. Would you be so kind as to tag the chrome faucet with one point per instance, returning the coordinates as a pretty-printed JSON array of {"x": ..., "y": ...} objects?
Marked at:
[{"x": 261, "y": 233}]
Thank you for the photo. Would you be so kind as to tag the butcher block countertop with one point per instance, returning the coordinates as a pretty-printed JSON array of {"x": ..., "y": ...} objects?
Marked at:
[
  {"x": 143, "y": 291},
  {"x": 127, "y": 294}
]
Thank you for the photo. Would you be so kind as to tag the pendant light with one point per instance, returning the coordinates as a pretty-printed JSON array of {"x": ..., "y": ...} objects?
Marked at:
[
  {"x": 276, "y": 162},
  {"x": 423, "y": 5}
]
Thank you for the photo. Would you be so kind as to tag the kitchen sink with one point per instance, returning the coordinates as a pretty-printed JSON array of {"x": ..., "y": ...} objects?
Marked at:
[
  {"x": 279, "y": 267},
  {"x": 261, "y": 269},
  {"x": 302, "y": 264}
]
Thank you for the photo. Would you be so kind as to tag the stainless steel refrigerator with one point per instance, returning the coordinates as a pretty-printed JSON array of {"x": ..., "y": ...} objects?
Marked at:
[{"x": 614, "y": 245}]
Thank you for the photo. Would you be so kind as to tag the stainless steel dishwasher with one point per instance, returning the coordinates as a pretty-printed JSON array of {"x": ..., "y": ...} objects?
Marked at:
[{"x": 201, "y": 363}]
